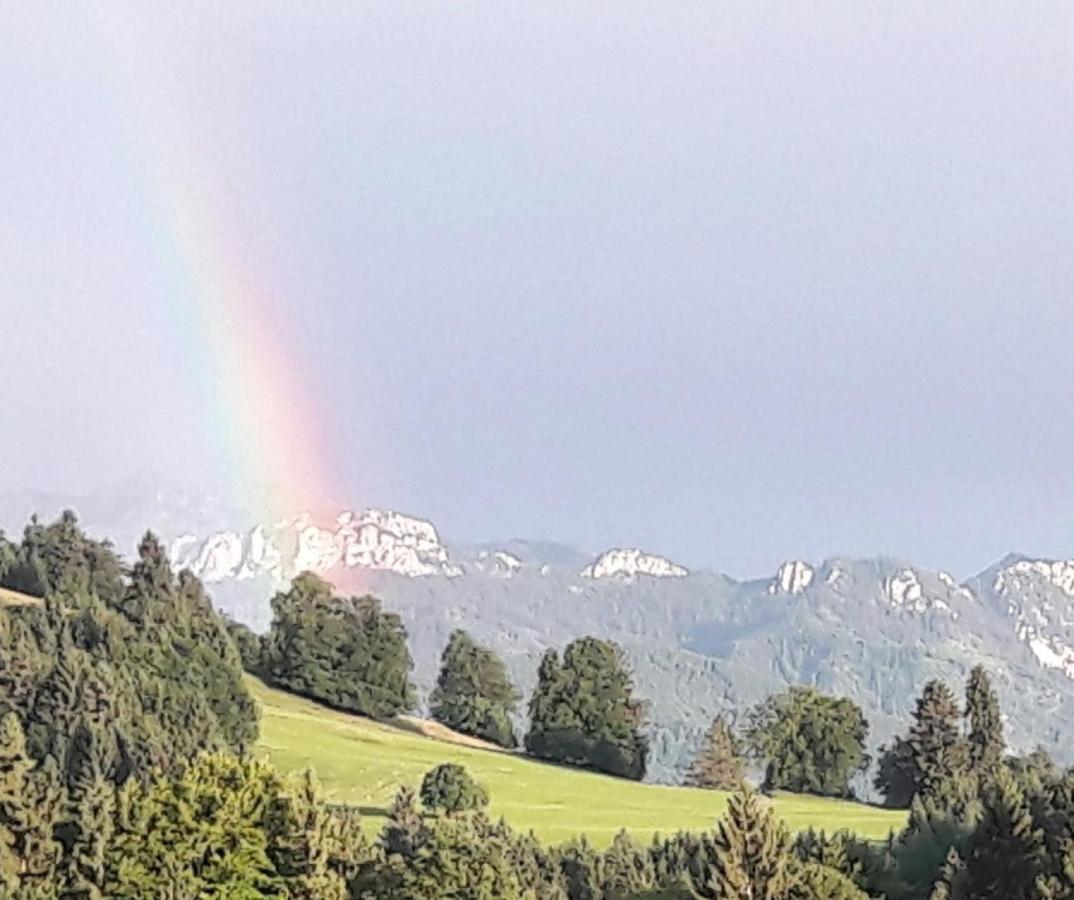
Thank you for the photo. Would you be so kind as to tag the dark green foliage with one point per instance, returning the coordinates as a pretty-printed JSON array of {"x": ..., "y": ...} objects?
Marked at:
[
  {"x": 249, "y": 645},
  {"x": 933, "y": 759},
  {"x": 583, "y": 711},
  {"x": 142, "y": 662},
  {"x": 346, "y": 653},
  {"x": 896, "y": 776},
  {"x": 842, "y": 852},
  {"x": 15, "y": 809},
  {"x": 810, "y": 742},
  {"x": 474, "y": 694},
  {"x": 449, "y": 789},
  {"x": 717, "y": 765},
  {"x": 85, "y": 825},
  {"x": 985, "y": 735},
  {"x": 60, "y": 559},
  {"x": 1006, "y": 854},
  {"x": 626, "y": 870},
  {"x": 232, "y": 828},
  {"x": 748, "y": 856}
]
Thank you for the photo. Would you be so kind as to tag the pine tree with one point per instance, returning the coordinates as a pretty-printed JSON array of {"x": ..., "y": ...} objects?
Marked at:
[
  {"x": 473, "y": 693},
  {"x": 583, "y": 711},
  {"x": 301, "y": 842},
  {"x": 717, "y": 765},
  {"x": 748, "y": 857},
  {"x": 85, "y": 829},
  {"x": 951, "y": 883},
  {"x": 1006, "y": 854},
  {"x": 15, "y": 814},
  {"x": 449, "y": 789},
  {"x": 985, "y": 737},
  {"x": 933, "y": 760},
  {"x": 626, "y": 871},
  {"x": 203, "y": 833}
]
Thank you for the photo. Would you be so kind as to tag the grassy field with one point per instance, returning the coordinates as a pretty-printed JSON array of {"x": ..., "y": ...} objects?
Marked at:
[
  {"x": 14, "y": 598},
  {"x": 362, "y": 762}
]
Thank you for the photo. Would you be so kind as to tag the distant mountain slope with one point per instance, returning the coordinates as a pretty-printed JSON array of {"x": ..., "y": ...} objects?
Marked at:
[{"x": 701, "y": 643}]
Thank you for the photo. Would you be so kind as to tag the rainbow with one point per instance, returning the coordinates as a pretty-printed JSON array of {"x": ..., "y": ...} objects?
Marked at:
[{"x": 266, "y": 421}]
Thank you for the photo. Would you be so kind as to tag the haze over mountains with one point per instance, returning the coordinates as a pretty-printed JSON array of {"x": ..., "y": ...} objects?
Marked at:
[{"x": 701, "y": 642}]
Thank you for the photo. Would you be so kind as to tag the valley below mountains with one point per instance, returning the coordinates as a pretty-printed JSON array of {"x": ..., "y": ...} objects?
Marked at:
[{"x": 701, "y": 643}]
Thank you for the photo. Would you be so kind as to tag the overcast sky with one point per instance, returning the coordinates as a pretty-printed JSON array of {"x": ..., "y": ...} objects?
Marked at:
[{"x": 734, "y": 283}]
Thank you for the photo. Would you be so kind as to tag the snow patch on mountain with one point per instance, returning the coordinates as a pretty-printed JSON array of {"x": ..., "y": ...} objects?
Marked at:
[
  {"x": 1020, "y": 575},
  {"x": 629, "y": 563},
  {"x": 375, "y": 539},
  {"x": 499, "y": 563},
  {"x": 905, "y": 591},
  {"x": 793, "y": 577}
]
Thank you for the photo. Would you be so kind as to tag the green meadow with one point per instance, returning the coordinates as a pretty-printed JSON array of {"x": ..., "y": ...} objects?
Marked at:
[{"x": 362, "y": 762}]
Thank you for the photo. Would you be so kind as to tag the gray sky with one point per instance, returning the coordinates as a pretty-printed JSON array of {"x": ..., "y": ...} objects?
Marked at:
[{"x": 733, "y": 283}]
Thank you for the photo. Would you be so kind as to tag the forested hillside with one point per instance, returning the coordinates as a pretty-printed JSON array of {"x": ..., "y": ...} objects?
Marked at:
[{"x": 126, "y": 721}]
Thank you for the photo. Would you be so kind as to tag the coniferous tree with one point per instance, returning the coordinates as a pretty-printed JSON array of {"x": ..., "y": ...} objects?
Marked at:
[
  {"x": 1006, "y": 854},
  {"x": 86, "y": 826},
  {"x": 347, "y": 653},
  {"x": 625, "y": 870},
  {"x": 717, "y": 765},
  {"x": 583, "y": 711},
  {"x": 204, "y": 833},
  {"x": 985, "y": 736},
  {"x": 15, "y": 812},
  {"x": 748, "y": 856},
  {"x": 810, "y": 742},
  {"x": 449, "y": 789},
  {"x": 933, "y": 759},
  {"x": 473, "y": 694}
]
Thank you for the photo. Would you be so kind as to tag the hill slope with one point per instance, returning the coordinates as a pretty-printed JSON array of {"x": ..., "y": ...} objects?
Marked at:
[{"x": 362, "y": 762}]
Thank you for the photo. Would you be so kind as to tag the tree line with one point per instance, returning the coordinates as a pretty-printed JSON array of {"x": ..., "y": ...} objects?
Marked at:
[{"x": 125, "y": 726}]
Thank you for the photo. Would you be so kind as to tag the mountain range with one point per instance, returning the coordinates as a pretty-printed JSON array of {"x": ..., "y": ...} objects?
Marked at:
[{"x": 701, "y": 642}]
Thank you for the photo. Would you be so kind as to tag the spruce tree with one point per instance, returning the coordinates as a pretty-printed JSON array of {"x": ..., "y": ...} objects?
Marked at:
[
  {"x": 933, "y": 760},
  {"x": 583, "y": 711},
  {"x": 449, "y": 789},
  {"x": 15, "y": 812},
  {"x": 1006, "y": 854},
  {"x": 85, "y": 829},
  {"x": 748, "y": 856},
  {"x": 717, "y": 765},
  {"x": 985, "y": 737},
  {"x": 473, "y": 694}
]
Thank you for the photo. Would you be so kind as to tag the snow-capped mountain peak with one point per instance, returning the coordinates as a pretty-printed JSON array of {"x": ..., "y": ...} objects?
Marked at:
[
  {"x": 793, "y": 577},
  {"x": 629, "y": 563},
  {"x": 376, "y": 539}
]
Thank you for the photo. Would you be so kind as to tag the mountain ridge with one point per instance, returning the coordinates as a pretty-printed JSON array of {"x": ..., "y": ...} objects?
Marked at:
[{"x": 701, "y": 642}]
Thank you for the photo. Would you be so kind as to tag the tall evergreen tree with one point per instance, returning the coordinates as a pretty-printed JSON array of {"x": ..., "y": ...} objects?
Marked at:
[
  {"x": 1006, "y": 854},
  {"x": 748, "y": 856},
  {"x": 985, "y": 736},
  {"x": 86, "y": 827},
  {"x": 810, "y": 742},
  {"x": 473, "y": 694},
  {"x": 583, "y": 711},
  {"x": 933, "y": 759},
  {"x": 15, "y": 812},
  {"x": 717, "y": 765}
]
